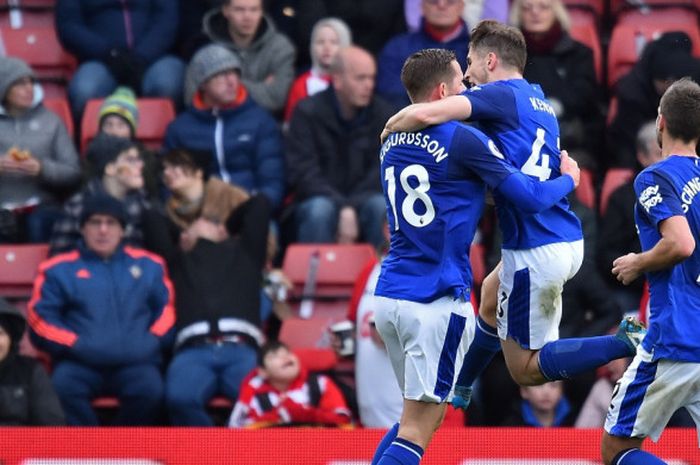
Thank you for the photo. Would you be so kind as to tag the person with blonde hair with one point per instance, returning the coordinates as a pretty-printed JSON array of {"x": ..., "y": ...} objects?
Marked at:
[
  {"x": 565, "y": 70},
  {"x": 327, "y": 37}
]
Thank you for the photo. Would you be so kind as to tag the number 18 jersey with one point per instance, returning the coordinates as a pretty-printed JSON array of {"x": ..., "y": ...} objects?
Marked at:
[
  {"x": 517, "y": 116},
  {"x": 434, "y": 195}
]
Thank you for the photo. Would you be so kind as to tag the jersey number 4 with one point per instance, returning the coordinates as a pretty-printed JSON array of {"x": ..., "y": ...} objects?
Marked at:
[
  {"x": 413, "y": 195},
  {"x": 536, "y": 166}
]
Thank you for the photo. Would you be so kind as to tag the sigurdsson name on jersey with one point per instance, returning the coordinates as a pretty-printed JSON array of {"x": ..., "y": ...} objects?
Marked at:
[
  {"x": 541, "y": 105},
  {"x": 418, "y": 139}
]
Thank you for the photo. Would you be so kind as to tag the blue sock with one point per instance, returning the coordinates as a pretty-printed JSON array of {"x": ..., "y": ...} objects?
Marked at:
[
  {"x": 566, "y": 358},
  {"x": 384, "y": 443},
  {"x": 486, "y": 344},
  {"x": 401, "y": 452},
  {"x": 636, "y": 457}
]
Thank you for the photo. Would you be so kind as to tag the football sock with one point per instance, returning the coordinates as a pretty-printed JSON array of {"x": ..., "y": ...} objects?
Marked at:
[
  {"x": 566, "y": 358},
  {"x": 384, "y": 443},
  {"x": 401, "y": 452},
  {"x": 485, "y": 345},
  {"x": 636, "y": 457}
]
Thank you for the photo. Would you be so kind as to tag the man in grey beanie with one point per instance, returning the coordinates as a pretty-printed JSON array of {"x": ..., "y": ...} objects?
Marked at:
[
  {"x": 38, "y": 162},
  {"x": 223, "y": 120}
]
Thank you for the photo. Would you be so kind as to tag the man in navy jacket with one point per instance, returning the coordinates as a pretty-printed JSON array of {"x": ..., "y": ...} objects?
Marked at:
[
  {"x": 221, "y": 118},
  {"x": 104, "y": 312}
]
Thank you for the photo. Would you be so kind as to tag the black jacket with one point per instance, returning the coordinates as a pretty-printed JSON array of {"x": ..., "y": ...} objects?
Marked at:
[
  {"x": 216, "y": 280},
  {"x": 567, "y": 75},
  {"x": 27, "y": 397},
  {"x": 331, "y": 157}
]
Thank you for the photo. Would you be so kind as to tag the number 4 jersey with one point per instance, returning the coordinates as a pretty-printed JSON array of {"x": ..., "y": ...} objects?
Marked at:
[
  {"x": 523, "y": 125},
  {"x": 434, "y": 188}
]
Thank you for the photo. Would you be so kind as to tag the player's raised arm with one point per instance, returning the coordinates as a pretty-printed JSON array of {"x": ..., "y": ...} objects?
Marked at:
[{"x": 421, "y": 115}]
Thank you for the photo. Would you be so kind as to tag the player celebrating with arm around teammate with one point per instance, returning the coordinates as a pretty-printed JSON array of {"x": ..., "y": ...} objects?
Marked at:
[
  {"x": 434, "y": 186},
  {"x": 665, "y": 373},
  {"x": 539, "y": 252}
]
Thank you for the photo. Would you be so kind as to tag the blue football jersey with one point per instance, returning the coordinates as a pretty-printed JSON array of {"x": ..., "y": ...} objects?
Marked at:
[
  {"x": 434, "y": 195},
  {"x": 670, "y": 188},
  {"x": 517, "y": 116}
]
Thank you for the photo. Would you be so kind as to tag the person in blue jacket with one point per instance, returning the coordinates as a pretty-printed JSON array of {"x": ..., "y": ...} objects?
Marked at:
[
  {"x": 119, "y": 42},
  {"x": 104, "y": 313},
  {"x": 441, "y": 26},
  {"x": 221, "y": 118}
]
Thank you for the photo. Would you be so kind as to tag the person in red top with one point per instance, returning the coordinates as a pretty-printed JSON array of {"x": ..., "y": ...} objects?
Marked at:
[
  {"x": 280, "y": 392},
  {"x": 327, "y": 37}
]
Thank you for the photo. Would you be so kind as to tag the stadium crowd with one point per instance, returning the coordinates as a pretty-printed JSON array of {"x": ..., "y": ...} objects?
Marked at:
[{"x": 163, "y": 282}]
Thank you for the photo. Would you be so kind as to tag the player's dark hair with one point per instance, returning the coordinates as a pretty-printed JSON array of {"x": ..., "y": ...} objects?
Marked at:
[
  {"x": 268, "y": 348},
  {"x": 680, "y": 106},
  {"x": 425, "y": 69},
  {"x": 507, "y": 42}
]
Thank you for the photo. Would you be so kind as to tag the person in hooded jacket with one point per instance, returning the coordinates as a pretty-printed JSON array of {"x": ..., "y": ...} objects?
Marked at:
[
  {"x": 266, "y": 55},
  {"x": 27, "y": 397},
  {"x": 38, "y": 162},
  {"x": 662, "y": 62}
]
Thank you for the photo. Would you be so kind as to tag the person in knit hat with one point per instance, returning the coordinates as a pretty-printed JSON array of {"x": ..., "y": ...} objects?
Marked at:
[
  {"x": 117, "y": 170},
  {"x": 267, "y": 56},
  {"x": 221, "y": 119},
  {"x": 27, "y": 397},
  {"x": 119, "y": 114},
  {"x": 38, "y": 162}
]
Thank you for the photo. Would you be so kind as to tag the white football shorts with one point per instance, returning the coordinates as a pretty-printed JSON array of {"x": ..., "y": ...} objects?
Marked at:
[
  {"x": 426, "y": 344},
  {"x": 649, "y": 393},
  {"x": 529, "y": 296}
]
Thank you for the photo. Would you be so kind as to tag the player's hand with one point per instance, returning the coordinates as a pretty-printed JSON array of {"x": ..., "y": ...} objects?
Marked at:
[
  {"x": 569, "y": 166},
  {"x": 626, "y": 268},
  {"x": 385, "y": 133}
]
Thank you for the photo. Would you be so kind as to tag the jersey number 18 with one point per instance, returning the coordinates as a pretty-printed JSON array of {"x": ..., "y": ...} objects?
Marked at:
[{"x": 413, "y": 195}]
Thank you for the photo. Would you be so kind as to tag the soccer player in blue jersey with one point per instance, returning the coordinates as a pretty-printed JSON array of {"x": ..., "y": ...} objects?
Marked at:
[
  {"x": 665, "y": 373},
  {"x": 434, "y": 184},
  {"x": 521, "y": 298}
]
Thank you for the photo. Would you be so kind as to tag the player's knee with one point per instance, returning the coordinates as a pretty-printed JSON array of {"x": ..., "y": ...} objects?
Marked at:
[{"x": 607, "y": 450}]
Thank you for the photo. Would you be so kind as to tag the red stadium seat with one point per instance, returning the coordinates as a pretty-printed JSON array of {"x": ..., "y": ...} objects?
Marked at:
[
  {"x": 584, "y": 30},
  {"x": 61, "y": 108},
  {"x": 585, "y": 191},
  {"x": 40, "y": 48},
  {"x": 19, "y": 264},
  {"x": 594, "y": 7},
  {"x": 619, "y": 8},
  {"x": 336, "y": 267},
  {"x": 154, "y": 116},
  {"x": 629, "y": 38},
  {"x": 614, "y": 178}
]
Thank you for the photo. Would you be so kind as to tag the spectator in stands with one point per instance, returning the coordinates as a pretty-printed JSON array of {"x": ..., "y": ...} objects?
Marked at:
[
  {"x": 617, "y": 223},
  {"x": 473, "y": 12},
  {"x": 119, "y": 117},
  {"x": 120, "y": 43},
  {"x": 223, "y": 120},
  {"x": 281, "y": 392},
  {"x": 442, "y": 27},
  {"x": 372, "y": 22},
  {"x": 38, "y": 162},
  {"x": 565, "y": 70},
  {"x": 662, "y": 62},
  {"x": 104, "y": 313},
  {"x": 378, "y": 396},
  {"x": 117, "y": 166},
  {"x": 332, "y": 147},
  {"x": 216, "y": 264},
  {"x": 328, "y": 36},
  {"x": 27, "y": 397},
  {"x": 266, "y": 56},
  {"x": 543, "y": 406}
]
